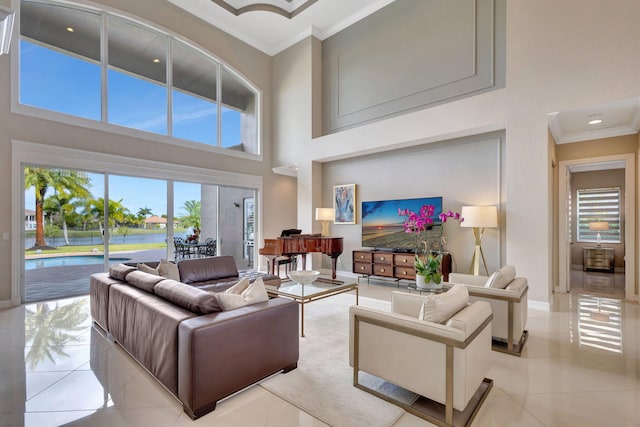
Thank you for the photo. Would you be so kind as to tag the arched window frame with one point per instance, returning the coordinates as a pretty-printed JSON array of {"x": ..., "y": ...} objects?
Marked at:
[{"x": 103, "y": 124}]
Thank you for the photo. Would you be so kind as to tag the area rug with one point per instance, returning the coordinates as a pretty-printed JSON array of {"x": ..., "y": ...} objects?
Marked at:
[{"x": 322, "y": 385}]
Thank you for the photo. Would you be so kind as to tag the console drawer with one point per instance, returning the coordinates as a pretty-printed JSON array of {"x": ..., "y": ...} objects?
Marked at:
[
  {"x": 361, "y": 256},
  {"x": 382, "y": 257},
  {"x": 383, "y": 270},
  {"x": 362, "y": 268},
  {"x": 408, "y": 273},
  {"x": 403, "y": 259}
]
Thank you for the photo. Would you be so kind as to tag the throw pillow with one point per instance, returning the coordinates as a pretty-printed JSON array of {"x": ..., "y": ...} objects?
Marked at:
[
  {"x": 428, "y": 308},
  {"x": 491, "y": 279},
  {"x": 253, "y": 294},
  {"x": 503, "y": 277},
  {"x": 239, "y": 287},
  {"x": 169, "y": 270},
  {"x": 445, "y": 305},
  {"x": 147, "y": 269}
]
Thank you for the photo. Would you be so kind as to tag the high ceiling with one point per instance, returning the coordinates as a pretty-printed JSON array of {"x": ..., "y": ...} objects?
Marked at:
[{"x": 274, "y": 25}]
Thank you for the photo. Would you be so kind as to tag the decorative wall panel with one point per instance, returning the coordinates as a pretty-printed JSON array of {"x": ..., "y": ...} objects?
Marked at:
[{"x": 411, "y": 54}]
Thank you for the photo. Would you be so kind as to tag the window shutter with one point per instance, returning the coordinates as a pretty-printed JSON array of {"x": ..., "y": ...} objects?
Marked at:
[{"x": 599, "y": 205}]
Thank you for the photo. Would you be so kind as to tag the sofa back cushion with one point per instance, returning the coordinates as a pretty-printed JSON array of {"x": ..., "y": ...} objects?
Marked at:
[
  {"x": 144, "y": 281},
  {"x": 188, "y": 297},
  {"x": 120, "y": 271},
  {"x": 201, "y": 269}
]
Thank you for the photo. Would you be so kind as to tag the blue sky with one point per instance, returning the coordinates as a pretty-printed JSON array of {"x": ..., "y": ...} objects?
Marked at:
[
  {"x": 136, "y": 193},
  {"x": 55, "y": 81}
]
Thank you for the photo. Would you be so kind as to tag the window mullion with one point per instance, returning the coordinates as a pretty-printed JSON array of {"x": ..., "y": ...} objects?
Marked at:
[
  {"x": 104, "y": 68},
  {"x": 219, "y": 102},
  {"x": 169, "y": 56}
]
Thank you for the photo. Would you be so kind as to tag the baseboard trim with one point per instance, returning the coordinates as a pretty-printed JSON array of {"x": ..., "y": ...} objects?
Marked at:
[{"x": 539, "y": 305}]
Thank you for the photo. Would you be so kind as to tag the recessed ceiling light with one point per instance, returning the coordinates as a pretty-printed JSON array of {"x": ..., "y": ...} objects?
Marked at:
[
  {"x": 70, "y": 29},
  {"x": 595, "y": 121},
  {"x": 156, "y": 60}
]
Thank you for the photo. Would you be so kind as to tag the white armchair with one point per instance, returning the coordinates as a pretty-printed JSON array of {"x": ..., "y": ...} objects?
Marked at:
[
  {"x": 509, "y": 306},
  {"x": 443, "y": 363}
]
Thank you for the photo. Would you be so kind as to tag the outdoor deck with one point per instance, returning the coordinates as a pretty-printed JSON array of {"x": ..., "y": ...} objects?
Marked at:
[{"x": 68, "y": 281}]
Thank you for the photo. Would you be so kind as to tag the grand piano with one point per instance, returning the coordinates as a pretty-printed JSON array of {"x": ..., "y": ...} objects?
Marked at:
[{"x": 302, "y": 244}]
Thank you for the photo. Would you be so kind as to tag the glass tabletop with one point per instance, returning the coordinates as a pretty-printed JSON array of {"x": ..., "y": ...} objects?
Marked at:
[{"x": 318, "y": 288}]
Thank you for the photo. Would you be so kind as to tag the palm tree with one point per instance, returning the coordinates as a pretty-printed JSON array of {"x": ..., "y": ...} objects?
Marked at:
[
  {"x": 192, "y": 218},
  {"x": 66, "y": 184},
  {"x": 117, "y": 212},
  {"x": 144, "y": 212}
]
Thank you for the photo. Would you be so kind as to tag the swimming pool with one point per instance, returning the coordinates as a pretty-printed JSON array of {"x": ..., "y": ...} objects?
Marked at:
[{"x": 62, "y": 261}]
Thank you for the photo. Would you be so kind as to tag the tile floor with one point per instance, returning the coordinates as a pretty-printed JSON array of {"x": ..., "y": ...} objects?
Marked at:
[{"x": 579, "y": 368}]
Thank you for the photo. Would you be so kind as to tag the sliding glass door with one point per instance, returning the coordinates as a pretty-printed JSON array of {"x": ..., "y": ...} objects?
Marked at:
[{"x": 78, "y": 222}]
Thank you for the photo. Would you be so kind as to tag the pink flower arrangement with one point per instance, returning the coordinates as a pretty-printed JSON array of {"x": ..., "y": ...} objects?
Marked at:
[{"x": 423, "y": 220}]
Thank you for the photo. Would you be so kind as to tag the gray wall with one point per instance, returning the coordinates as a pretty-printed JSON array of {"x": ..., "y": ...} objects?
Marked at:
[
  {"x": 411, "y": 54},
  {"x": 463, "y": 172}
]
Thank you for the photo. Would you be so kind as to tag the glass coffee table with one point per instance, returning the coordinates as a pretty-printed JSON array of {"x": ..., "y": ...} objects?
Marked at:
[{"x": 306, "y": 293}]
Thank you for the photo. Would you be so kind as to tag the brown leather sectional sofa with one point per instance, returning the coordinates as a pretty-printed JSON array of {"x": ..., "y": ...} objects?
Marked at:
[{"x": 200, "y": 355}]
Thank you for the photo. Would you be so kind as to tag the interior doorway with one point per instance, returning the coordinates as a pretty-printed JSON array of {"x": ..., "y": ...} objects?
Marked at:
[{"x": 571, "y": 246}]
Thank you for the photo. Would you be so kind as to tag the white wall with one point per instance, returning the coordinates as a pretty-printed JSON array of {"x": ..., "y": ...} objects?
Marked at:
[{"x": 556, "y": 60}]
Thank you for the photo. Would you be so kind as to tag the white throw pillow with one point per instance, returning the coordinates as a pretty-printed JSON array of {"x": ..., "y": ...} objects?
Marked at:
[
  {"x": 253, "y": 294},
  {"x": 502, "y": 277},
  {"x": 239, "y": 287},
  {"x": 439, "y": 308},
  {"x": 169, "y": 270},
  {"x": 490, "y": 280},
  {"x": 145, "y": 268}
]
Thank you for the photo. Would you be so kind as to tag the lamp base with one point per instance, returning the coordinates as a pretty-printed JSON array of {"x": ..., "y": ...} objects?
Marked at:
[
  {"x": 478, "y": 254},
  {"x": 325, "y": 228}
]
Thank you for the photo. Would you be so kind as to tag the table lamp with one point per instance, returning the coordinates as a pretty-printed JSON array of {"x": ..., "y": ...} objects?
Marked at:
[
  {"x": 479, "y": 218},
  {"x": 598, "y": 226},
  {"x": 325, "y": 215}
]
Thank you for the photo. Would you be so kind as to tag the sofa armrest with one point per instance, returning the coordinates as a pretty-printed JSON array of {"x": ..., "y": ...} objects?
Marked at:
[
  {"x": 221, "y": 353},
  {"x": 406, "y": 304},
  {"x": 467, "y": 279}
]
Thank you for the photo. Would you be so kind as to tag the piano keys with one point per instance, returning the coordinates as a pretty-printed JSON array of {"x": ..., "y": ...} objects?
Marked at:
[{"x": 302, "y": 244}]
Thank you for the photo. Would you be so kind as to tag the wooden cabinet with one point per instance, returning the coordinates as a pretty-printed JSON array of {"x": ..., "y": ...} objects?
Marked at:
[
  {"x": 394, "y": 265},
  {"x": 595, "y": 258}
]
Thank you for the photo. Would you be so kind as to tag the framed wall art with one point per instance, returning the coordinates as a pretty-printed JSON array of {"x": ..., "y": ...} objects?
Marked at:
[{"x": 344, "y": 204}]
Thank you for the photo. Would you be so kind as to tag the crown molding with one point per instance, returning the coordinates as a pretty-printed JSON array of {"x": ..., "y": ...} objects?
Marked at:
[{"x": 265, "y": 7}]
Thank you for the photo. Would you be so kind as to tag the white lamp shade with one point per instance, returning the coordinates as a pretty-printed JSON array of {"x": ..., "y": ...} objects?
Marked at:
[
  {"x": 479, "y": 216},
  {"x": 325, "y": 214},
  {"x": 6, "y": 27},
  {"x": 599, "y": 226}
]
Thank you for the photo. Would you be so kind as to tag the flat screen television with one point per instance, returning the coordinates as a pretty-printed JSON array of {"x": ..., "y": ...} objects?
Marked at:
[{"x": 383, "y": 228}]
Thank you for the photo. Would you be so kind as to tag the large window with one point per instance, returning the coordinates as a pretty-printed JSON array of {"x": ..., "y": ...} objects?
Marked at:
[
  {"x": 599, "y": 212},
  {"x": 136, "y": 77}
]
